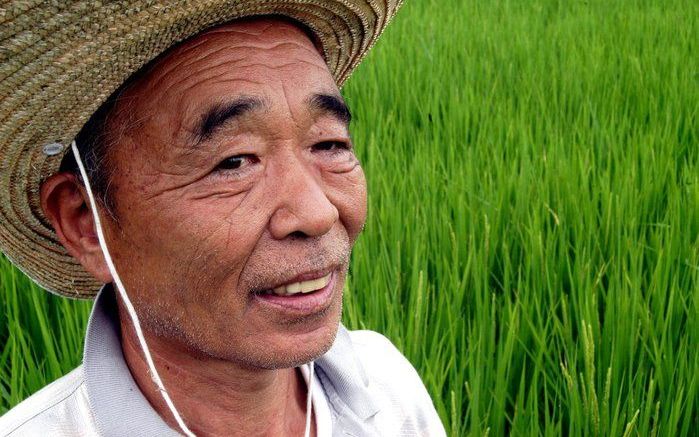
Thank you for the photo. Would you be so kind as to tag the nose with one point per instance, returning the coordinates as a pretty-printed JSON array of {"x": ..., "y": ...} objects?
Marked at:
[{"x": 303, "y": 206}]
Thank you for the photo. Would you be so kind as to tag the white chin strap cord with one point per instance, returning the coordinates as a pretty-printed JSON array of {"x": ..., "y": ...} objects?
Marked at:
[
  {"x": 134, "y": 318},
  {"x": 311, "y": 366},
  {"x": 125, "y": 297}
]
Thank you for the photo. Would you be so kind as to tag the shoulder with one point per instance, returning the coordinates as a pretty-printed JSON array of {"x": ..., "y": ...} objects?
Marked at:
[
  {"x": 394, "y": 379},
  {"x": 60, "y": 408}
]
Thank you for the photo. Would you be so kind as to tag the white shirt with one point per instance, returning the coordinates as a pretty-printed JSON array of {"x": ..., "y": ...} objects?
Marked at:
[{"x": 362, "y": 386}]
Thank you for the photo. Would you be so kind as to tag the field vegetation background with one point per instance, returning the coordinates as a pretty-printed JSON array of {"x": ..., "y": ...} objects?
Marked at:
[{"x": 532, "y": 243}]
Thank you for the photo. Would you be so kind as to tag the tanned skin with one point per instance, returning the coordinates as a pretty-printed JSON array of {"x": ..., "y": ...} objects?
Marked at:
[{"x": 234, "y": 173}]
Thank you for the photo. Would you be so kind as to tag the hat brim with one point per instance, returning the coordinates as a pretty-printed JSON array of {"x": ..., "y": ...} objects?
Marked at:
[{"x": 60, "y": 62}]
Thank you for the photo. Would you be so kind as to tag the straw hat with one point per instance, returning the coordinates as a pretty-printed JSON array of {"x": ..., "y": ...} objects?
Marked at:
[{"x": 60, "y": 60}]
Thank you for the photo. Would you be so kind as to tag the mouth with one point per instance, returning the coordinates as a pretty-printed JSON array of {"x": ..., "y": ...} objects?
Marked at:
[
  {"x": 304, "y": 295},
  {"x": 303, "y": 287}
]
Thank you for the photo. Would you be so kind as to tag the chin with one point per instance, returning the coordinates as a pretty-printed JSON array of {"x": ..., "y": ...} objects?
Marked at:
[{"x": 293, "y": 349}]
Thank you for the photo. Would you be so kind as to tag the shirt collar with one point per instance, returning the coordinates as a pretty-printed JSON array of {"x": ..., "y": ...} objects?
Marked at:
[
  {"x": 120, "y": 408},
  {"x": 344, "y": 371}
]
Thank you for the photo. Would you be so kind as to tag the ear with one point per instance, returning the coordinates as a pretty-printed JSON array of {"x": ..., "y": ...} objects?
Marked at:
[{"x": 66, "y": 205}]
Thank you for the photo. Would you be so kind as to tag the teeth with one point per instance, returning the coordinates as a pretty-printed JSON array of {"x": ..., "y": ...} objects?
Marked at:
[{"x": 303, "y": 286}]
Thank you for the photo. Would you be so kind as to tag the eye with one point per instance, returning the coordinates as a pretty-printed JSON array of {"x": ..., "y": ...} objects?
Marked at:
[
  {"x": 236, "y": 162},
  {"x": 331, "y": 146}
]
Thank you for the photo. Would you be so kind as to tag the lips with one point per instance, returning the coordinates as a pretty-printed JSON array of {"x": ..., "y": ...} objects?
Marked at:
[{"x": 306, "y": 294}]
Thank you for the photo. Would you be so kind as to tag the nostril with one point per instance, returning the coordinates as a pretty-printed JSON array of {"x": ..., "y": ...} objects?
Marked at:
[{"x": 298, "y": 235}]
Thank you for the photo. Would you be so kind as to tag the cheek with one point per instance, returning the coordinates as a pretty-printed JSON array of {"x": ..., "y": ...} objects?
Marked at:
[
  {"x": 349, "y": 195},
  {"x": 185, "y": 244}
]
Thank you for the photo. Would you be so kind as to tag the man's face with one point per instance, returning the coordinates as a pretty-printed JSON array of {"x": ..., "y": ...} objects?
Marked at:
[{"x": 234, "y": 176}]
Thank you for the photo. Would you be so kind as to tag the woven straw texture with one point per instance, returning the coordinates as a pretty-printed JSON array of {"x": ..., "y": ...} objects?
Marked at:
[{"x": 60, "y": 60}]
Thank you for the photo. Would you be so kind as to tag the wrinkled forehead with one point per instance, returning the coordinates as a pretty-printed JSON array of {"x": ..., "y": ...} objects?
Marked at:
[{"x": 253, "y": 50}]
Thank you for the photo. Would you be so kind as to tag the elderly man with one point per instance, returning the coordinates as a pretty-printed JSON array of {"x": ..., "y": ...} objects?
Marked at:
[{"x": 217, "y": 194}]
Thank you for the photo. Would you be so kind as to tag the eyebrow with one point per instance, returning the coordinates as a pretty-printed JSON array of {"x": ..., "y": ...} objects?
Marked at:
[
  {"x": 332, "y": 104},
  {"x": 218, "y": 115}
]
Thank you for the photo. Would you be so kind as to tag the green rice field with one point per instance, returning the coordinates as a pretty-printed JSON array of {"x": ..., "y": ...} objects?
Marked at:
[{"x": 532, "y": 243}]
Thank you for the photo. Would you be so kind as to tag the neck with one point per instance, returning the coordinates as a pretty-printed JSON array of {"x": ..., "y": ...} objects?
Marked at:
[{"x": 215, "y": 396}]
